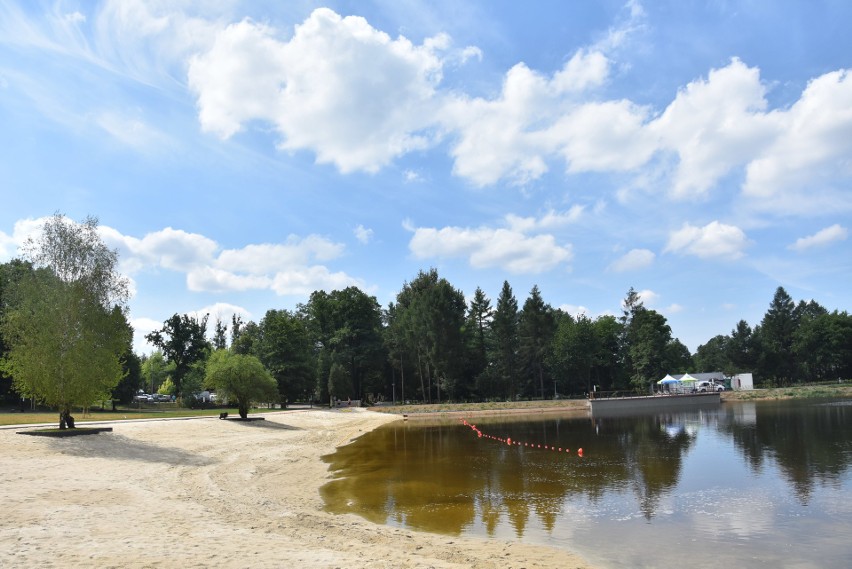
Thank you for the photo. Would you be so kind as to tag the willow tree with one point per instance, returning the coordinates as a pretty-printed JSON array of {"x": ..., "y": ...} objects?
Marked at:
[
  {"x": 241, "y": 379},
  {"x": 68, "y": 328}
]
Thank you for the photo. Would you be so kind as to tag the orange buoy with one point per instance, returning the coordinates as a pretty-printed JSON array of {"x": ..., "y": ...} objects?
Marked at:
[{"x": 579, "y": 452}]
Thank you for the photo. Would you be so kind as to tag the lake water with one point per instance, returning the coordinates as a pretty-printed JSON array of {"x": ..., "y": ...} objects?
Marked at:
[{"x": 747, "y": 484}]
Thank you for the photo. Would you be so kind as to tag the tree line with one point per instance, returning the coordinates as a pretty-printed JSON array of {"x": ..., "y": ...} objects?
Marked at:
[
  {"x": 430, "y": 345},
  {"x": 63, "y": 328}
]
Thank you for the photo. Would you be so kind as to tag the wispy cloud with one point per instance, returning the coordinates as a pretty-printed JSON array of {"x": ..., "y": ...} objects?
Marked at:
[
  {"x": 363, "y": 235},
  {"x": 359, "y": 99},
  {"x": 633, "y": 260},
  {"x": 821, "y": 238}
]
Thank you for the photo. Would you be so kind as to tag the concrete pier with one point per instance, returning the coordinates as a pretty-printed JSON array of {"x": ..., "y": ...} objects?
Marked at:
[{"x": 652, "y": 403}]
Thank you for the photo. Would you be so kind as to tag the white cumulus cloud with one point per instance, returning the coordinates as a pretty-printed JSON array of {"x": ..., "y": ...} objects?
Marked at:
[
  {"x": 339, "y": 87},
  {"x": 811, "y": 150},
  {"x": 291, "y": 267},
  {"x": 358, "y": 98},
  {"x": 224, "y": 311},
  {"x": 169, "y": 248},
  {"x": 713, "y": 125},
  {"x": 496, "y": 138},
  {"x": 713, "y": 240},
  {"x": 306, "y": 280},
  {"x": 486, "y": 247},
  {"x": 22, "y": 230}
]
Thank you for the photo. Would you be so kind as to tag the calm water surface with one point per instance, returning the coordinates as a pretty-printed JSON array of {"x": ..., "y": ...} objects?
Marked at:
[{"x": 764, "y": 484}]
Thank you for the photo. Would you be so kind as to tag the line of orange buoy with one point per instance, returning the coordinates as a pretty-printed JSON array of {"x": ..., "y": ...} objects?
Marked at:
[{"x": 510, "y": 442}]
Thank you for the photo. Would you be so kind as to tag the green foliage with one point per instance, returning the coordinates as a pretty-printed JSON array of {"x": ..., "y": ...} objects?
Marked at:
[
  {"x": 714, "y": 355},
  {"x": 323, "y": 368},
  {"x": 246, "y": 337},
  {"x": 347, "y": 325},
  {"x": 193, "y": 381},
  {"x": 776, "y": 337},
  {"x": 793, "y": 343},
  {"x": 286, "y": 350},
  {"x": 822, "y": 344},
  {"x": 241, "y": 378},
  {"x": 220, "y": 330},
  {"x": 477, "y": 336},
  {"x": 339, "y": 382},
  {"x": 131, "y": 380},
  {"x": 504, "y": 350},
  {"x": 183, "y": 344},
  {"x": 536, "y": 327},
  {"x": 11, "y": 274},
  {"x": 574, "y": 351},
  {"x": 741, "y": 348},
  {"x": 426, "y": 345},
  {"x": 608, "y": 371},
  {"x": 155, "y": 371},
  {"x": 427, "y": 326},
  {"x": 648, "y": 336},
  {"x": 167, "y": 387},
  {"x": 677, "y": 357},
  {"x": 66, "y": 329}
]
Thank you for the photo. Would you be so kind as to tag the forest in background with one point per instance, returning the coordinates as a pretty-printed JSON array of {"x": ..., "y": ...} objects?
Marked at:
[{"x": 431, "y": 345}]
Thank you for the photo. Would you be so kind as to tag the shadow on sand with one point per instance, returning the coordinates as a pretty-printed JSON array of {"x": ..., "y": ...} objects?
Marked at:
[{"x": 123, "y": 448}]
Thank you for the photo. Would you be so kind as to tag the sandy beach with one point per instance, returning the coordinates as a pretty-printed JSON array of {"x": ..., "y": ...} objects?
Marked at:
[{"x": 211, "y": 493}]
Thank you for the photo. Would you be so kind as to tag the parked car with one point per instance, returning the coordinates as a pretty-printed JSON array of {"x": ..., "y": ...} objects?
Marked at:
[
  {"x": 162, "y": 397},
  {"x": 705, "y": 386},
  {"x": 143, "y": 398}
]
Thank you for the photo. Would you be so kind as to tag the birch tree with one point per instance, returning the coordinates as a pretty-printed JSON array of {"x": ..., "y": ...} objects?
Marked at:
[{"x": 68, "y": 328}]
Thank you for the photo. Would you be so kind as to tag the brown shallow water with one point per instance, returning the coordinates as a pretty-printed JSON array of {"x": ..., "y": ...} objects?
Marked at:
[{"x": 763, "y": 484}]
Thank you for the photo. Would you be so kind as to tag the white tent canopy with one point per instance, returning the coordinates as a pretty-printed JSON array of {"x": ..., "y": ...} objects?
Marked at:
[
  {"x": 688, "y": 379},
  {"x": 667, "y": 379}
]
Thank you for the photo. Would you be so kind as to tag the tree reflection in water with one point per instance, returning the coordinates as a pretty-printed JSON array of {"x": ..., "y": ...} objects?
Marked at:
[
  {"x": 743, "y": 484},
  {"x": 439, "y": 476},
  {"x": 811, "y": 442}
]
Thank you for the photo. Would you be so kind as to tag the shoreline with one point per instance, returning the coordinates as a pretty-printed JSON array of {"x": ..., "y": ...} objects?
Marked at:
[
  {"x": 414, "y": 411},
  {"x": 206, "y": 493},
  {"x": 419, "y": 411}
]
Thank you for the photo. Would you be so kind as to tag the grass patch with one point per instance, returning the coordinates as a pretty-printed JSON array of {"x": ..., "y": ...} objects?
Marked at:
[
  {"x": 797, "y": 392},
  {"x": 34, "y": 418}
]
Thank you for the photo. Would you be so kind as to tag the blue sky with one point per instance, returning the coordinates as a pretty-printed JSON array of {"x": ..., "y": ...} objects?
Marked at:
[{"x": 240, "y": 155}]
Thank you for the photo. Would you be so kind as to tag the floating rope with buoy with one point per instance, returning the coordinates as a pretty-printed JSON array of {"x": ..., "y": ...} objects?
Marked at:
[{"x": 510, "y": 442}]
